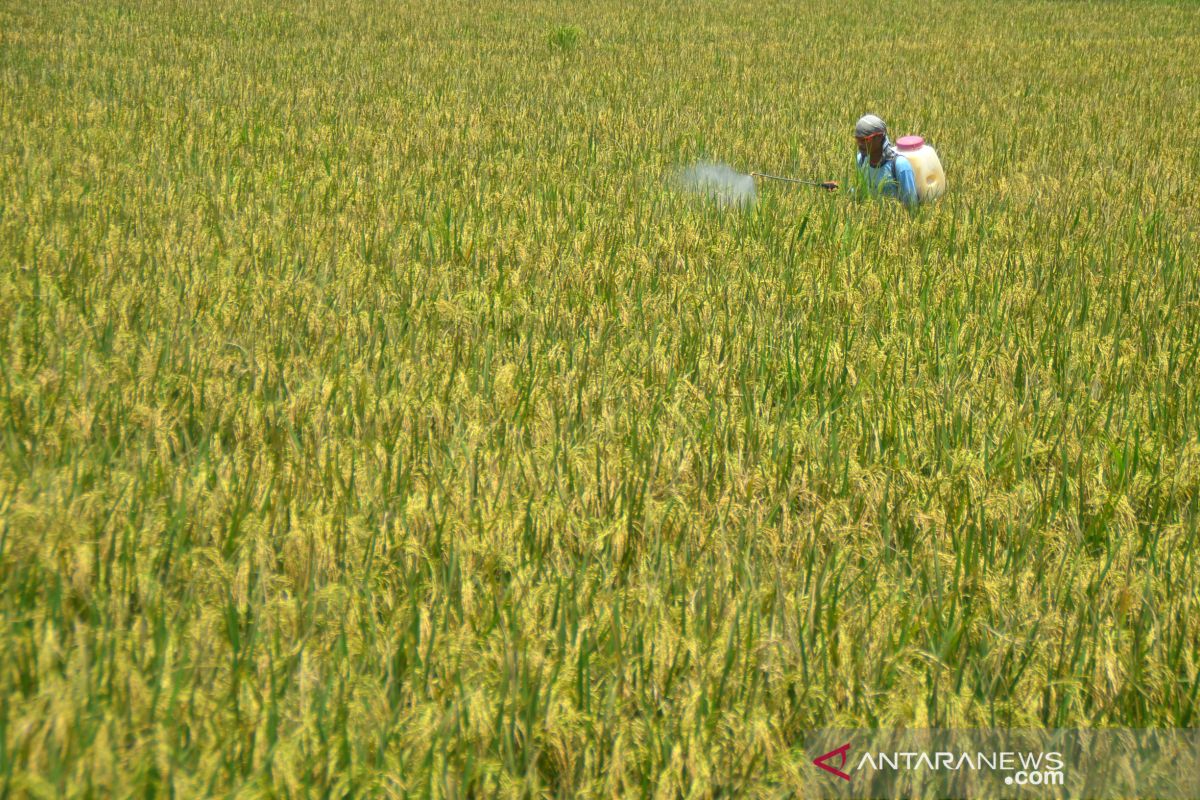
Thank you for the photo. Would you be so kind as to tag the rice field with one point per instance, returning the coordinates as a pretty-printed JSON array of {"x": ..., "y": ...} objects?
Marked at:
[{"x": 376, "y": 418}]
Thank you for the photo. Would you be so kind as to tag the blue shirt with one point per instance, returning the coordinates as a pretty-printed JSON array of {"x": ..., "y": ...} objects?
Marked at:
[{"x": 903, "y": 186}]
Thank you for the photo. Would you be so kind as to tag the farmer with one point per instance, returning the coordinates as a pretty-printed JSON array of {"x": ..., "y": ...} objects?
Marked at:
[{"x": 885, "y": 170}]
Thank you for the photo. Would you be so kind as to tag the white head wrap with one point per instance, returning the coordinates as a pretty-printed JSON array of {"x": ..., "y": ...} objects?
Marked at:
[{"x": 869, "y": 124}]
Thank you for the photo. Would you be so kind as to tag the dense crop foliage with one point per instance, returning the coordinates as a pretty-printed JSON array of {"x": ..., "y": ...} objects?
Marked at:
[{"x": 374, "y": 418}]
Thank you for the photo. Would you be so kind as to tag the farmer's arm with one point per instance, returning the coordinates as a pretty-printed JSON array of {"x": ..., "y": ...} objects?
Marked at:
[
  {"x": 856, "y": 172},
  {"x": 833, "y": 186}
]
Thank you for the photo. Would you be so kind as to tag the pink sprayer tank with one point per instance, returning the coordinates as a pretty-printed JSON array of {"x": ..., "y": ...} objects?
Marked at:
[{"x": 927, "y": 167}]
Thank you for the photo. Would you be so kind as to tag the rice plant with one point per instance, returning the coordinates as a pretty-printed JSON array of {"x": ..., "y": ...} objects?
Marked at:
[{"x": 378, "y": 418}]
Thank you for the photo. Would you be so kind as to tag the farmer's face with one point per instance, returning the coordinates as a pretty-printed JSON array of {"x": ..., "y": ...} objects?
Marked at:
[{"x": 870, "y": 146}]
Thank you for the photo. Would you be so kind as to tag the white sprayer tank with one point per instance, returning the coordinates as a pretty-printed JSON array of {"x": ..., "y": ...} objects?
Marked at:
[{"x": 927, "y": 167}]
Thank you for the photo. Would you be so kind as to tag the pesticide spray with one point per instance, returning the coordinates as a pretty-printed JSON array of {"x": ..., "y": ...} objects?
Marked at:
[
  {"x": 728, "y": 187},
  {"x": 719, "y": 182}
]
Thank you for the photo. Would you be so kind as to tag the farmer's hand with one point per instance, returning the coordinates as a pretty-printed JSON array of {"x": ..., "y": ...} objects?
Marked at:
[{"x": 830, "y": 186}]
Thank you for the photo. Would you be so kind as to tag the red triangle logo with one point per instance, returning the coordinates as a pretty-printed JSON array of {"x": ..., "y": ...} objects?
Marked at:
[{"x": 841, "y": 751}]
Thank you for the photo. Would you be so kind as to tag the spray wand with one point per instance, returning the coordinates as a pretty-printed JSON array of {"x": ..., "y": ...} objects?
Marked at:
[{"x": 829, "y": 186}]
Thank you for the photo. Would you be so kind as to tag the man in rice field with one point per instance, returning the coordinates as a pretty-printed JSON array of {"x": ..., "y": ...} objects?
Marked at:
[{"x": 884, "y": 170}]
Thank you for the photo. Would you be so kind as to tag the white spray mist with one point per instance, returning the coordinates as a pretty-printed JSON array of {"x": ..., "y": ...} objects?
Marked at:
[{"x": 722, "y": 183}]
